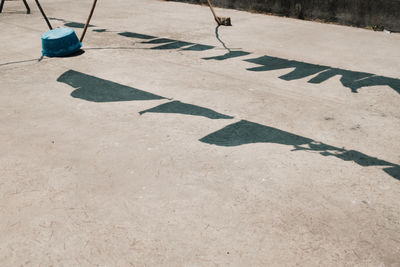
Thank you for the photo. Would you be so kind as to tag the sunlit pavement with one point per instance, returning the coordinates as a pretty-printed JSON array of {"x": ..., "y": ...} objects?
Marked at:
[{"x": 170, "y": 142}]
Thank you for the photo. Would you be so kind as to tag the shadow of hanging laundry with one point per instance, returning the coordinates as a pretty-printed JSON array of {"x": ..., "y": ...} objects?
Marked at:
[
  {"x": 77, "y": 25},
  {"x": 393, "y": 171},
  {"x": 231, "y": 54},
  {"x": 136, "y": 35},
  {"x": 351, "y": 155},
  {"x": 94, "y": 89},
  {"x": 173, "y": 45},
  {"x": 379, "y": 80},
  {"x": 301, "y": 70},
  {"x": 159, "y": 41},
  {"x": 100, "y": 30},
  {"x": 57, "y": 19},
  {"x": 72, "y": 24},
  {"x": 178, "y": 107},
  {"x": 246, "y": 132},
  {"x": 199, "y": 47},
  {"x": 347, "y": 76},
  {"x": 350, "y": 79}
]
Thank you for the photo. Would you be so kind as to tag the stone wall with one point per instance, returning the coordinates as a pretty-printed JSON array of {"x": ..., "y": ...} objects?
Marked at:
[{"x": 378, "y": 14}]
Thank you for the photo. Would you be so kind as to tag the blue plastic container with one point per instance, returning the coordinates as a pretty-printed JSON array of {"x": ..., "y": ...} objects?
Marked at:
[{"x": 60, "y": 42}]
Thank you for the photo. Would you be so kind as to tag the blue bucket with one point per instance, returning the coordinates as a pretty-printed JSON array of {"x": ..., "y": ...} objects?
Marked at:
[{"x": 60, "y": 42}]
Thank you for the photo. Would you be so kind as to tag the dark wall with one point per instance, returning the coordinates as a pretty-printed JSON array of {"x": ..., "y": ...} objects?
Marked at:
[{"x": 361, "y": 13}]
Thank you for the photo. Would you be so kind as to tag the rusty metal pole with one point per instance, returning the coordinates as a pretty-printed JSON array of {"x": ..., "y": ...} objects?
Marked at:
[
  {"x": 220, "y": 20},
  {"x": 217, "y": 19},
  {"x": 88, "y": 21}
]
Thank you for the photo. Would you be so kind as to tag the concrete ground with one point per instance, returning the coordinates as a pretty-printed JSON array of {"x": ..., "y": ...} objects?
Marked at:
[{"x": 169, "y": 142}]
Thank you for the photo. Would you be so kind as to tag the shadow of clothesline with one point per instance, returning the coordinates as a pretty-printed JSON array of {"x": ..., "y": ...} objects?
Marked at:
[
  {"x": 246, "y": 132},
  {"x": 350, "y": 79},
  {"x": 177, "y": 107},
  {"x": 94, "y": 89},
  {"x": 72, "y": 24}
]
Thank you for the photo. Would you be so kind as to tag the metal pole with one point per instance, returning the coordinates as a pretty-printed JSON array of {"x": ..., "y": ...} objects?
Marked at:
[
  {"x": 28, "y": 10},
  {"x": 88, "y": 21},
  {"x": 43, "y": 14},
  {"x": 1, "y": 5}
]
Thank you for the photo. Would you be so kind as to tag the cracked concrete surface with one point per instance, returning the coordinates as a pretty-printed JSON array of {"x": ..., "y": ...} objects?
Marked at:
[{"x": 163, "y": 145}]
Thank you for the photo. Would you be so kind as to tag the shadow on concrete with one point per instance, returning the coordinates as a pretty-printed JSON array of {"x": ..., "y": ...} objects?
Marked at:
[
  {"x": 72, "y": 24},
  {"x": 350, "y": 79},
  {"x": 173, "y": 45},
  {"x": 94, "y": 89},
  {"x": 77, "y": 25},
  {"x": 219, "y": 38},
  {"x": 198, "y": 47},
  {"x": 77, "y": 53},
  {"x": 178, "y": 107},
  {"x": 14, "y": 12},
  {"x": 169, "y": 44},
  {"x": 230, "y": 53},
  {"x": 166, "y": 42},
  {"x": 21, "y": 61},
  {"x": 115, "y": 48},
  {"x": 159, "y": 41},
  {"x": 246, "y": 132},
  {"x": 100, "y": 30},
  {"x": 136, "y": 35}
]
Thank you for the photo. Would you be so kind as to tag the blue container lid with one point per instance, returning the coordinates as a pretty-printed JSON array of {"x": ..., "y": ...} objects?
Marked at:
[{"x": 60, "y": 42}]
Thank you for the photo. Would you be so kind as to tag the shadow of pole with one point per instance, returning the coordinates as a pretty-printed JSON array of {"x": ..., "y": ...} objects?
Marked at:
[
  {"x": 230, "y": 53},
  {"x": 219, "y": 39}
]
